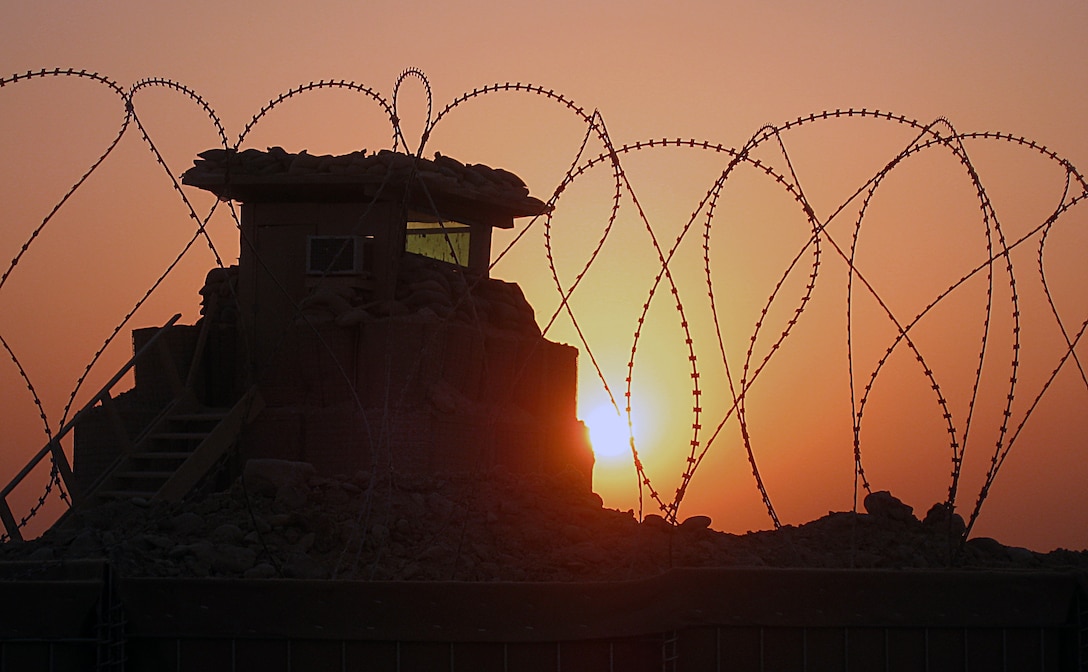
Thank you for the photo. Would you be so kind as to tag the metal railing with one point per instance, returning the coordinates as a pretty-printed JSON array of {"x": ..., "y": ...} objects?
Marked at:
[{"x": 54, "y": 448}]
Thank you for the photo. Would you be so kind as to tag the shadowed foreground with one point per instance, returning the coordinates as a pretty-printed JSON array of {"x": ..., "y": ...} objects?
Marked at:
[
  {"x": 288, "y": 570},
  {"x": 282, "y": 520}
]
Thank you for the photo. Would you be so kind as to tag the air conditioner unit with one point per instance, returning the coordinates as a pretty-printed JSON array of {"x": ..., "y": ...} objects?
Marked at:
[{"x": 339, "y": 255}]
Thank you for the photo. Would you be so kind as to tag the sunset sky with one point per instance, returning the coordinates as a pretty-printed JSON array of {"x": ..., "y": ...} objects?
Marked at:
[{"x": 714, "y": 71}]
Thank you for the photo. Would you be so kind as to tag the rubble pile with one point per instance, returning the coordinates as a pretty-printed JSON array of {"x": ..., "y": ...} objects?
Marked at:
[{"x": 283, "y": 520}]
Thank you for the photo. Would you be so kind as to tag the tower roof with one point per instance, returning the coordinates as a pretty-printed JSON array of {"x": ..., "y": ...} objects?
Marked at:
[{"x": 444, "y": 186}]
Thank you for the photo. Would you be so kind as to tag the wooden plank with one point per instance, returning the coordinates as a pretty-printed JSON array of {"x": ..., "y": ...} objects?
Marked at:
[
  {"x": 119, "y": 429},
  {"x": 67, "y": 478},
  {"x": 166, "y": 358},
  {"x": 10, "y": 526}
]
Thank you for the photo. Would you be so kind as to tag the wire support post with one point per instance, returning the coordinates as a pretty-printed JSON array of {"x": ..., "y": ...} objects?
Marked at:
[
  {"x": 670, "y": 651},
  {"x": 111, "y": 627},
  {"x": 1081, "y": 603}
]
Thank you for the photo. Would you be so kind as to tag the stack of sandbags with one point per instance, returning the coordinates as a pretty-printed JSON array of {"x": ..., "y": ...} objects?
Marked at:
[
  {"x": 218, "y": 296},
  {"x": 443, "y": 175}
]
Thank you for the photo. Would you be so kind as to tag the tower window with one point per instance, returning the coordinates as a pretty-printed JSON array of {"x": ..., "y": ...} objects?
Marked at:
[
  {"x": 445, "y": 241},
  {"x": 339, "y": 255}
]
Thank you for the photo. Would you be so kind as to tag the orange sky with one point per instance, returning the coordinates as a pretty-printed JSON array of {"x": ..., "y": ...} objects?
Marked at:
[{"x": 711, "y": 71}]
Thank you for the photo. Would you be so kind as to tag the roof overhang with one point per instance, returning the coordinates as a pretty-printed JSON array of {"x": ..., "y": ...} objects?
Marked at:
[{"x": 444, "y": 187}]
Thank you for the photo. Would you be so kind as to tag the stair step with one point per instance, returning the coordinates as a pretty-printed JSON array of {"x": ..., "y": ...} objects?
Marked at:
[
  {"x": 160, "y": 455},
  {"x": 206, "y": 416},
  {"x": 126, "y": 494},
  {"x": 178, "y": 436},
  {"x": 144, "y": 474}
]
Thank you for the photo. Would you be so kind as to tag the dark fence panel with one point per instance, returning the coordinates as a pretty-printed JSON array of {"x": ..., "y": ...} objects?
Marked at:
[{"x": 735, "y": 620}]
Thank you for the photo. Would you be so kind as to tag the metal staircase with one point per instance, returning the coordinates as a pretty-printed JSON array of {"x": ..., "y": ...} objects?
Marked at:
[
  {"x": 179, "y": 448},
  {"x": 165, "y": 461},
  {"x": 144, "y": 473}
]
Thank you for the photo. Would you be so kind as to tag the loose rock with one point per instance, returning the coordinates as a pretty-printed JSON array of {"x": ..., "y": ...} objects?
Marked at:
[{"x": 494, "y": 527}]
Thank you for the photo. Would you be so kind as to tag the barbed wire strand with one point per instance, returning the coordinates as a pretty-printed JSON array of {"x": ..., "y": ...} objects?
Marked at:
[{"x": 938, "y": 133}]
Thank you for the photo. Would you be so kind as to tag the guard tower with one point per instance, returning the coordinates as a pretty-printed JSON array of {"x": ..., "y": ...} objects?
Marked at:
[
  {"x": 359, "y": 331},
  {"x": 365, "y": 315},
  {"x": 315, "y": 225}
]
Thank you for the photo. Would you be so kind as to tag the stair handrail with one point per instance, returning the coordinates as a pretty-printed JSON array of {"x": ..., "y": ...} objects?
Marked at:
[
  {"x": 11, "y": 527},
  {"x": 184, "y": 397}
]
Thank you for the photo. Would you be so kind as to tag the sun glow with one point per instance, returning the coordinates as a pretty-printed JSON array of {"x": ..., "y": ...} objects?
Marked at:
[{"x": 608, "y": 433}]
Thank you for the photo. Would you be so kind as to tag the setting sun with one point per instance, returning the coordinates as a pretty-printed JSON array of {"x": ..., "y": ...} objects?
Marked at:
[{"x": 608, "y": 433}]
